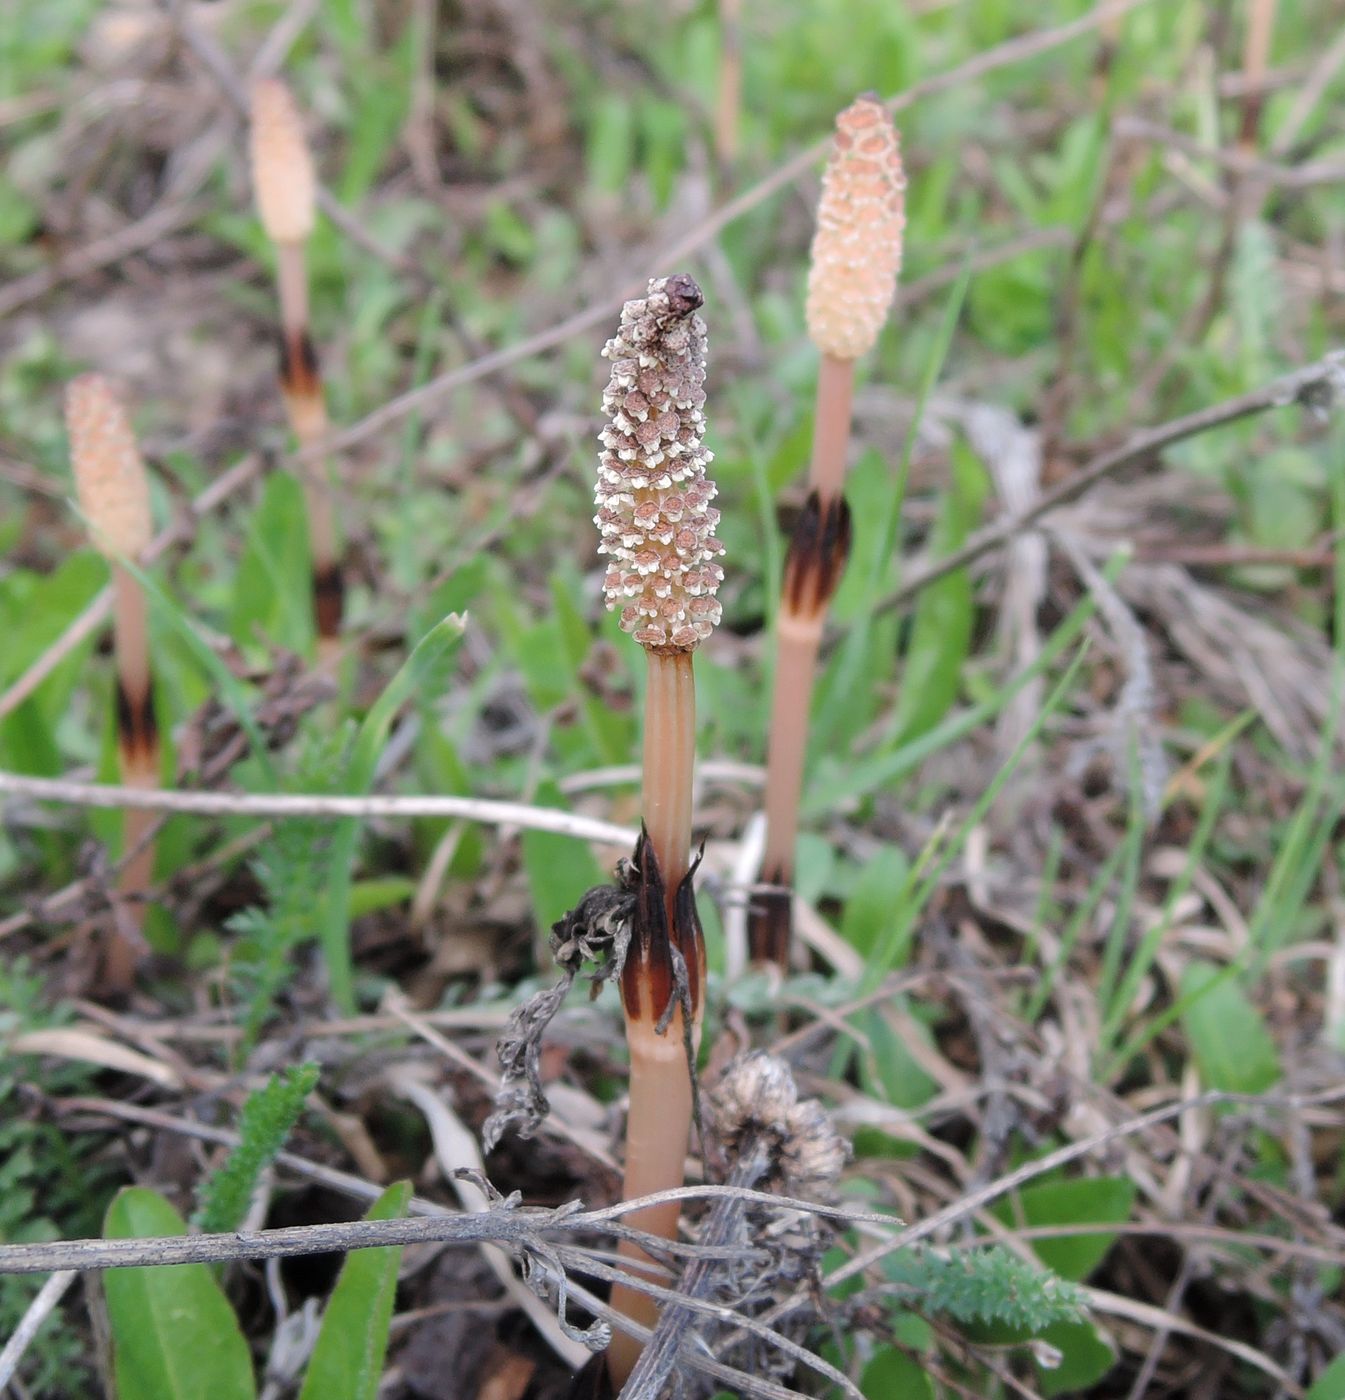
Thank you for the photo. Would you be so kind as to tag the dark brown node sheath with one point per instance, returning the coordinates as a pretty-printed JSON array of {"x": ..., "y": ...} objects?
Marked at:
[
  {"x": 813, "y": 568},
  {"x": 649, "y": 975},
  {"x": 300, "y": 373},
  {"x": 137, "y": 729}
]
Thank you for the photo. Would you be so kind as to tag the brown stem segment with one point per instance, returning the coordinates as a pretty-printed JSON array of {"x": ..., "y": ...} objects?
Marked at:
[
  {"x": 292, "y": 285},
  {"x": 669, "y": 762},
  {"x": 138, "y": 751},
  {"x": 817, "y": 555},
  {"x": 301, "y": 385},
  {"x": 831, "y": 425},
  {"x": 729, "y": 98},
  {"x": 665, "y": 924},
  {"x": 813, "y": 569}
]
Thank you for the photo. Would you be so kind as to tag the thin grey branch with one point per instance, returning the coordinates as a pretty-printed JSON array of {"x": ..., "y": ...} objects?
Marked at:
[
  {"x": 477, "y": 809},
  {"x": 44, "y": 1302},
  {"x": 1318, "y": 386}
]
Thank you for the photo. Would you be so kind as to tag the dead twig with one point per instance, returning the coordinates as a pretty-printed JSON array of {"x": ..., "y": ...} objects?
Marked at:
[
  {"x": 43, "y": 1304},
  {"x": 481, "y": 809},
  {"x": 1317, "y": 386}
]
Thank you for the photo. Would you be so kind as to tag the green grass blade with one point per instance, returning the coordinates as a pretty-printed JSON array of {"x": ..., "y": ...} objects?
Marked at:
[
  {"x": 881, "y": 770},
  {"x": 363, "y": 762},
  {"x": 347, "y": 1362},
  {"x": 892, "y": 946},
  {"x": 174, "y": 1335}
]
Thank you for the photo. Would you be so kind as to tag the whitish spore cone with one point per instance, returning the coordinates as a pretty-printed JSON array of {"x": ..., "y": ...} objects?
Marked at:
[
  {"x": 653, "y": 496},
  {"x": 110, "y": 477},
  {"x": 282, "y": 168},
  {"x": 856, "y": 253}
]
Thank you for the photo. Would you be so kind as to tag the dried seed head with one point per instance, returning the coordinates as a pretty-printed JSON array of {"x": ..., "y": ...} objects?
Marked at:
[
  {"x": 756, "y": 1091},
  {"x": 813, "y": 1153},
  {"x": 857, "y": 247},
  {"x": 756, "y": 1101},
  {"x": 653, "y": 496},
  {"x": 282, "y": 169},
  {"x": 110, "y": 477}
]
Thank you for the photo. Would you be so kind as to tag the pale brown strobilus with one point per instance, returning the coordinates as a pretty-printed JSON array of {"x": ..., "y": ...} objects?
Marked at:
[
  {"x": 657, "y": 525},
  {"x": 856, "y": 256},
  {"x": 113, "y": 491},
  {"x": 286, "y": 192}
]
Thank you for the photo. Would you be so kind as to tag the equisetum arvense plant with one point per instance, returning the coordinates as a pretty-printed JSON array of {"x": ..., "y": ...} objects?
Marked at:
[
  {"x": 856, "y": 255},
  {"x": 286, "y": 192},
  {"x": 113, "y": 491},
  {"x": 657, "y": 525}
]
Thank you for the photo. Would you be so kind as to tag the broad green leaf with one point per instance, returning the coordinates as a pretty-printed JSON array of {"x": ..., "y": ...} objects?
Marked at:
[
  {"x": 174, "y": 1335},
  {"x": 1086, "y": 1355},
  {"x": 871, "y": 906},
  {"x": 892, "y": 1375},
  {"x": 1330, "y": 1385},
  {"x": 902, "y": 1081},
  {"x": 1100, "y": 1200},
  {"x": 369, "y": 896},
  {"x": 347, "y": 1362},
  {"x": 1233, "y": 1049}
]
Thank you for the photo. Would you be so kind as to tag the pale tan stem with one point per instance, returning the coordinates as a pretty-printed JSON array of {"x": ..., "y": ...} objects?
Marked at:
[
  {"x": 138, "y": 752},
  {"x": 657, "y": 1132},
  {"x": 659, "y": 1125},
  {"x": 831, "y": 426},
  {"x": 292, "y": 282},
  {"x": 811, "y": 576},
  {"x": 795, "y": 671},
  {"x": 669, "y": 763},
  {"x": 729, "y": 100},
  {"x": 130, "y": 633},
  {"x": 306, "y": 407},
  {"x": 1255, "y": 60}
]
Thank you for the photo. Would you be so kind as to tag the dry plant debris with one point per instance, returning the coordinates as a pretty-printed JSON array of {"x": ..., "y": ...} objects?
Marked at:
[{"x": 1067, "y": 989}]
